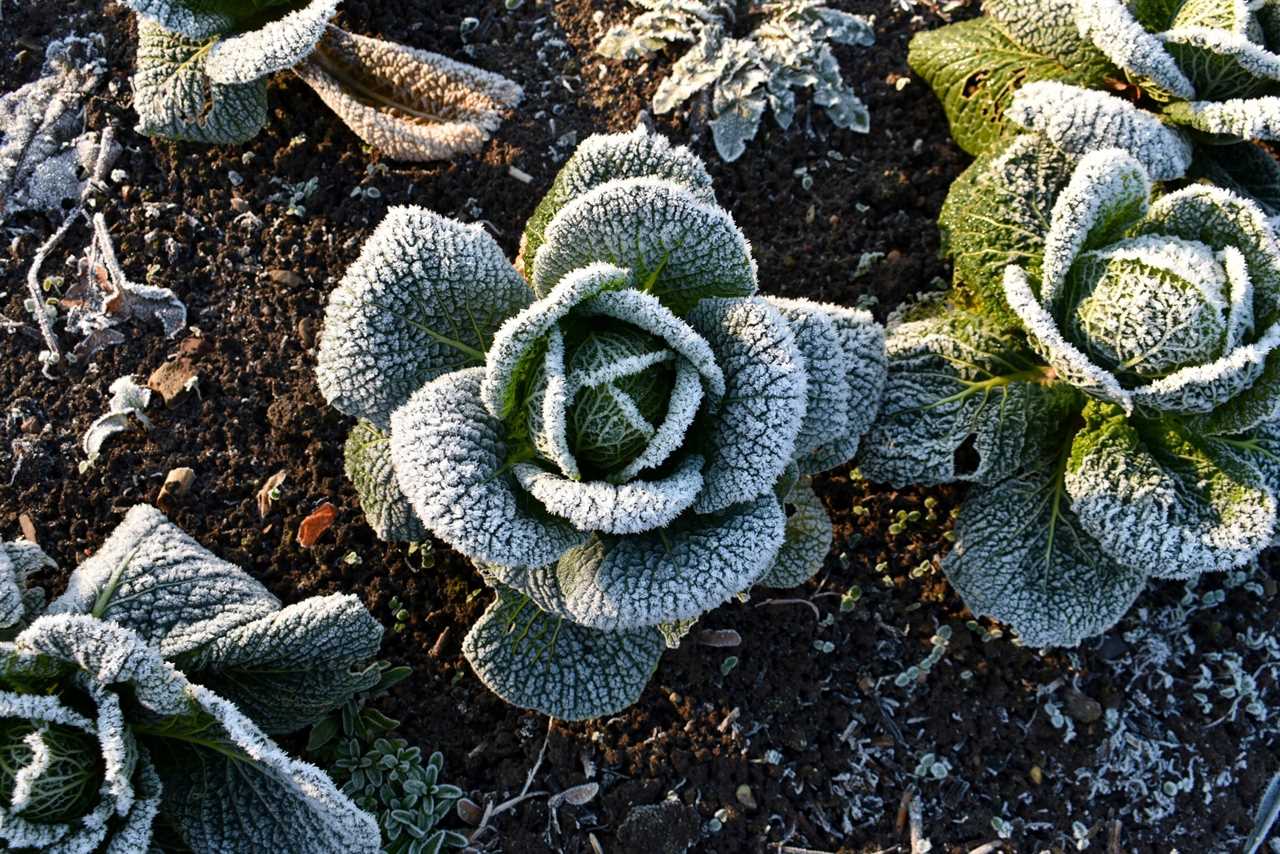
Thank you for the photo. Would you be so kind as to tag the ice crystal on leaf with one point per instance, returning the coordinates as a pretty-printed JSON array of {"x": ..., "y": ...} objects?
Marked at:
[
  {"x": 617, "y": 444},
  {"x": 148, "y": 691},
  {"x": 1173, "y": 82},
  {"x": 789, "y": 49},
  {"x": 1114, "y": 398},
  {"x": 203, "y": 68}
]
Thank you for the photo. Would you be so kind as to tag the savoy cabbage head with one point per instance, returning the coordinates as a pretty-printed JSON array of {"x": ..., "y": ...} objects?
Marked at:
[
  {"x": 1108, "y": 378},
  {"x": 615, "y": 437},
  {"x": 141, "y": 703},
  {"x": 203, "y": 69},
  {"x": 1185, "y": 85},
  {"x": 788, "y": 48}
]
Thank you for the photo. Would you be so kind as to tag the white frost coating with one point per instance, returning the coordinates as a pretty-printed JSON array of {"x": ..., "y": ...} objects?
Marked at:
[
  {"x": 752, "y": 436},
  {"x": 808, "y": 539},
  {"x": 827, "y": 406},
  {"x": 108, "y": 654},
  {"x": 1246, "y": 118},
  {"x": 17, "y": 601},
  {"x": 1202, "y": 388},
  {"x": 24, "y": 781},
  {"x": 516, "y": 337},
  {"x": 682, "y": 408},
  {"x": 1072, "y": 366},
  {"x": 646, "y": 312},
  {"x": 1113, "y": 30},
  {"x": 1081, "y": 121},
  {"x": 672, "y": 574},
  {"x": 628, "y": 508},
  {"x": 1014, "y": 561},
  {"x": 424, "y": 298},
  {"x": 128, "y": 400},
  {"x": 275, "y": 46},
  {"x": 1104, "y": 184},
  {"x": 439, "y": 108},
  {"x": 182, "y": 18},
  {"x": 366, "y": 460},
  {"x": 607, "y": 157},
  {"x": 1172, "y": 522},
  {"x": 678, "y": 248},
  {"x": 153, "y": 578},
  {"x": 449, "y": 457},
  {"x": 624, "y": 367},
  {"x": 306, "y": 810},
  {"x": 1237, "y": 47},
  {"x": 547, "y": 421},
  {"x": 1240, "y": 321}
]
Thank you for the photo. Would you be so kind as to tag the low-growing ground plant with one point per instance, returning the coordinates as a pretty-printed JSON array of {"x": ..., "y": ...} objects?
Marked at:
[
  {"x": 137, "y": 709},
  {"x": 1106, "y": 373},
  {"x": 788, "y": 48},
  {"x": 203, "y": 69},
  {"x": 1186, "y": 86},
  {"x": 621, "y": 438}
]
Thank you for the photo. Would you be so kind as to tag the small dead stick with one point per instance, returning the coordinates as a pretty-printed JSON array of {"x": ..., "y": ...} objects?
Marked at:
[
  {"x": 1113, "y": 843},
  {"x": 106, "y": 142},
  {"x": 490, "y": 811},
  {"x": 816, "y": 613},
  {"x": 915, "y": 816}
]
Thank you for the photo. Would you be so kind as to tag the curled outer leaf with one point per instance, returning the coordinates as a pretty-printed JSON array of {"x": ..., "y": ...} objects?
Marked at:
[
  {"x": 276, "y": 45},
  {"x": 608, "y": 157},
  {"x": 235, "y": 789},
  {"x": 846, "y": 381},
  {"x": 1160, "y": 502},
  {"x": 752, "y": 435},
  {"x": 539, "y": 661},
  {"x": 1245, "y": 118},
  {"x": 192, "y": 20},
  {"x": 410, "y": 104},
  {"x": 677, "y": 573},
  {"x": 679, "y": 249},
  {"x": 424, "y": 298},
  {"x": 175, "y": 98},
  {"x": 1022, "y": 557},
  {"x": 451, "y": 461},
  {"x": 367, "y": 463},
  {"x": 964, "y": 401},
  {"x": 808, "y": 539},
  {"x": 1113, "y": 29},
  {"x": 1081, "y": 121},
  {"x": 18, "y": 601},
  {"x": 152, "y": 578}
]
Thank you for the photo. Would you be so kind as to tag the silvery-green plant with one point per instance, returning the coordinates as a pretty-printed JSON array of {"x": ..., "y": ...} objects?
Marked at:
[
  {"x": 620, "y": 438},
  {"x": 203, "y": 69},
  {"x": 1108, "y": 379},
  {"x": 789, "y": 49},
  {"x": 1184, "y": 85},
  {"x": 148, "y": 693}
]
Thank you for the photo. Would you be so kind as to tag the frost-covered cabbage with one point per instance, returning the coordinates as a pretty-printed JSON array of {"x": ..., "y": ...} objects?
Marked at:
[
  {"x": 147, "y": 693},
  {"x": 620, "y": 438},
  {"x": 203, "y": 69},
  {"x": 1109, "y": 380},
  {"x": 789, "y": 49},
  {"x": 1185, "y": 86}
]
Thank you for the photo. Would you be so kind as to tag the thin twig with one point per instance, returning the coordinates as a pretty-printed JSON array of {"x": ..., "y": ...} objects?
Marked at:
[
  {"x": 490, "y": 811},
  {"x": 987, "y": 848},
  {"x": 915, "y": 815},
  {"x": 816, "y": 613}
]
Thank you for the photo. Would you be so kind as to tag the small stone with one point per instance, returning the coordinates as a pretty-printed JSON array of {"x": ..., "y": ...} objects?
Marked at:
[
  {"x": 1036, "y": 775},
  {"x": 176, "y": 484},
  {"x": 173, "y": 379},
  {"x": 745, "y": 797},
  {"x": 1082, "y": 708},
  {"x": 307, "y": 332},
  {"x": 28, "y": 528},
  {"x": 469, "y": 811},
  {"x": 285, "y": 278}
]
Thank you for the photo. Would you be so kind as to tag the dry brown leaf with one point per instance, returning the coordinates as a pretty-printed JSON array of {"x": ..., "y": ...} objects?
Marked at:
[
  {"x": 316, "y": 524},
  {"x": 264, "y": 494},
  {"x": 576, "y": 795},
  {"x": 410, "y": 104}
]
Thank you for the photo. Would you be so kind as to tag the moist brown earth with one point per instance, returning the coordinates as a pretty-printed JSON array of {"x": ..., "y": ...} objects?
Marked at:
[{"x": 811, "y": 740}]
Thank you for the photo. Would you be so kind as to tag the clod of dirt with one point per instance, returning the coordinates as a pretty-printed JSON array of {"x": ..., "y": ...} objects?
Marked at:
[
  {"x": 178, "y": 483},
  {"x": 1083, "y": 708},
  {"x": 173, "y": 379},
  {"x": 670, "y": 827}
]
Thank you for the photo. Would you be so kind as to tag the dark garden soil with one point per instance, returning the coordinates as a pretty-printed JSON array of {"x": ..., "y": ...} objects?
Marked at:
[{"x": 810, "y": 740}]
